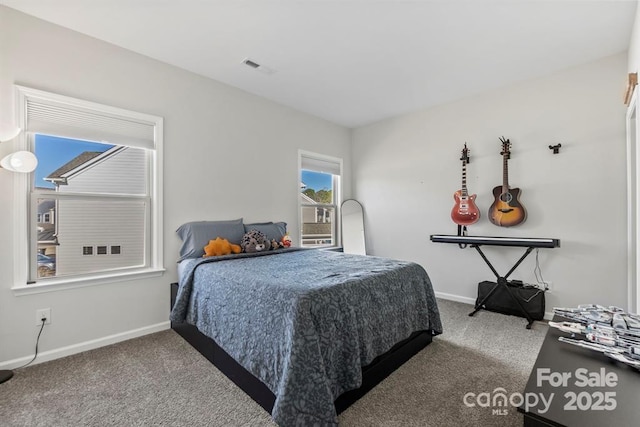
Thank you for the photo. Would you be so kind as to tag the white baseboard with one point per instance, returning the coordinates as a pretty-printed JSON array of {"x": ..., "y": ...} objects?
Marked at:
[
  {"x": 85, "y": 346},
  {"x": 457, "y": 298}
]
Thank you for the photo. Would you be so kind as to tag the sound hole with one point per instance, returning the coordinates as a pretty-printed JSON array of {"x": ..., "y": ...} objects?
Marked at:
[{"x": 506, "y": 197}]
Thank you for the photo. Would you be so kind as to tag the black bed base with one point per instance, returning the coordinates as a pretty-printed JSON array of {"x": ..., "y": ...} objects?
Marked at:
[{"x": 372, "y": 374}]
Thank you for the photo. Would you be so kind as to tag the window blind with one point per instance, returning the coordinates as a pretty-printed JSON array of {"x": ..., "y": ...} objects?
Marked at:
[
  {"x": 319, "y": 165},
  {"x": 59, "y": 118}
]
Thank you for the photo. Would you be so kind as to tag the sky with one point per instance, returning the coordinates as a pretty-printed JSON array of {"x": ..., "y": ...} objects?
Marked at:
[
  {"x": 53, "y": 152},
  {"x": 316, "y": 180}
]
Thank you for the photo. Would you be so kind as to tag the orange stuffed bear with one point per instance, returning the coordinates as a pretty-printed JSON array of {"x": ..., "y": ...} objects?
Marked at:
[{"x": 220, "y": 247}]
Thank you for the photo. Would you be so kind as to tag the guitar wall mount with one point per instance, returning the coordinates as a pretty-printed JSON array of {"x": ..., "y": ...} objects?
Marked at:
[
  {"x": 462, "y": 231},
  {"x": 555, "y": 148}
]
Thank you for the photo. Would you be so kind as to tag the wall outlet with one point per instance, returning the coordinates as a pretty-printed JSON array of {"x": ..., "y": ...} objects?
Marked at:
[
  {"x": 548, "y": 284},
  {"x": 43, "y": 313}
]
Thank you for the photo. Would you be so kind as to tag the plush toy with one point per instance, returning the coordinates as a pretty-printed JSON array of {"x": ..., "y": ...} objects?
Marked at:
[
  {"x": 255, "y": 241},
  {"x": 276, "y": 245},
  {"x": 220, "y": 247},
  {"x": 286, "y": 241}
]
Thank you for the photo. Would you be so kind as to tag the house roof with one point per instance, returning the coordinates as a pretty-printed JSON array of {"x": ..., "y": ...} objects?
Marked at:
[
  {"x": 306, "y": 199},
  {"x": 80, "y": 163},
  {"x": 57, "y": 176},
  {"x": 47, "y": 236}
]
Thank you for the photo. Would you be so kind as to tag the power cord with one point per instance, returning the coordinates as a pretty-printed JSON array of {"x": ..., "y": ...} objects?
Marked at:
[
  {"x": 537, "y": 271},
  {"x": 44, "y": 320},
  {"x": 541, "y": 285}
]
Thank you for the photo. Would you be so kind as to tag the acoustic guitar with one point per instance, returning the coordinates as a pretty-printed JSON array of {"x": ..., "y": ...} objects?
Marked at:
[
  {"x": 506, "y": 210},
  {"x": 465, "y": 211}
]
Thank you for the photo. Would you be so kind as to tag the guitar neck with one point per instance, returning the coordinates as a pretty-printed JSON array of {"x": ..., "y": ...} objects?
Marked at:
[
  {"x": 505, "y": 173},
  {"x": 464, "y": 192}
]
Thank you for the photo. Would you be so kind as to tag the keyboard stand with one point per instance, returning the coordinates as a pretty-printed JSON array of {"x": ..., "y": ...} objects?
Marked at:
[
  {"x": 477, "y": 241},
  {"x": 502, "y": 281}
]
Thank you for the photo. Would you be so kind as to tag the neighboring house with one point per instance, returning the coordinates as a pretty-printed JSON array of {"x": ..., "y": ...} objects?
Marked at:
[
  {"x": 316, "y": 221},
  {"x": 46, "y": 223},
  {"x": 95, "y": 233}
]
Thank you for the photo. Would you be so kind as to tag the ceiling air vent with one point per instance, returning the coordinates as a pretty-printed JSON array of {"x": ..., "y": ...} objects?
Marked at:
[{"x": 253, "y": 64}]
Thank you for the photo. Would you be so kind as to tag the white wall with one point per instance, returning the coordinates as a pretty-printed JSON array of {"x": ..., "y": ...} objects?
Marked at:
[
  {"x": 405, "y": 170},
  {"x": 632, "y": 172},
  {"x": 634, "y": 45},
  {"x": 213, "y": 134}
]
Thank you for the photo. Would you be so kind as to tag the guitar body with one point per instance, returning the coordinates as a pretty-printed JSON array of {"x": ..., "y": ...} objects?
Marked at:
[
  {"x": 506, "y": 210},
  {"x": 465, "y": 211}
]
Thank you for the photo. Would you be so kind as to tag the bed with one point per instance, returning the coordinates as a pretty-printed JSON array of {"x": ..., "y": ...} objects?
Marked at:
[{"x": 305, "y": 332}]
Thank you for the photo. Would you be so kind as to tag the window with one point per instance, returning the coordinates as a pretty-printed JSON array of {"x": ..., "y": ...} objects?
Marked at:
[
  {"x": 99, "y": 176},
  {"x": 319, "y": 199}
]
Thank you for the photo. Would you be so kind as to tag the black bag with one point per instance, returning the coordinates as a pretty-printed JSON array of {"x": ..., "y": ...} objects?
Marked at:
[{"x": 531, "y": 298}]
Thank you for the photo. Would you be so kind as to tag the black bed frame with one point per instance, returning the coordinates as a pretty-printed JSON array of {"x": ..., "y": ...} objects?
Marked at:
[{"x": 372, "y": 374}]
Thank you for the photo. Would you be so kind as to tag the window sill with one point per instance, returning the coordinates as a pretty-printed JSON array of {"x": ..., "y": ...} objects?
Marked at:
[{"x": 72, "y": 283}]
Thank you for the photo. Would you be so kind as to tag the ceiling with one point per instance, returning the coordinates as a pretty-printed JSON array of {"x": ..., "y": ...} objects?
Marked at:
[{"x": 354, "y": 62}]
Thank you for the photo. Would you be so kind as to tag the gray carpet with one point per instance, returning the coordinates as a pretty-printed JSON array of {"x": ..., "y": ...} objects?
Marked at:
[{"x": 160, "y": 380}]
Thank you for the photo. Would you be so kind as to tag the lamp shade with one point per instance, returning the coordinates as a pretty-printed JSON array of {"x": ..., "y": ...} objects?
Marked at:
[
  {"x": 20, "y": 161},
  {"x": 8, "y": 136}
]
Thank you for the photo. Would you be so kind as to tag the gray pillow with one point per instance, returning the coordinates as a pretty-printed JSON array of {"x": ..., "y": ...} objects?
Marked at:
[
  {"x": 273, "y": 230},
  {"x": 196, "y": 235}
]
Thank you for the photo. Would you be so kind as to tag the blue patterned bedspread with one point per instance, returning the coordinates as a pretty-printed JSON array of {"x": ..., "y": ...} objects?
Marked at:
[{"x": 305, "y": 321}]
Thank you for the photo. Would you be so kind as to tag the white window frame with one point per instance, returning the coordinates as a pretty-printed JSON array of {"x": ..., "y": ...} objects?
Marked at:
[
  {"x": 22, "y": 188},
  {"x": 337, "y": 191}
]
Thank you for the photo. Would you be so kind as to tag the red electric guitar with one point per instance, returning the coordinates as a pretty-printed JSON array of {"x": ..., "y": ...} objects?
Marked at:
[
  {"x": 465, "y": 211},
  {"x": 506, "y": 210}
]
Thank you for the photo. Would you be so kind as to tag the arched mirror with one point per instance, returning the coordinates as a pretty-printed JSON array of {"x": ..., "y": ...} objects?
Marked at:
[{"x": 352, "y": 227}]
